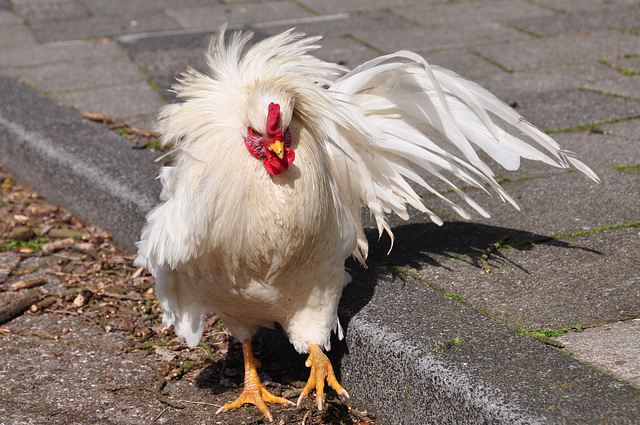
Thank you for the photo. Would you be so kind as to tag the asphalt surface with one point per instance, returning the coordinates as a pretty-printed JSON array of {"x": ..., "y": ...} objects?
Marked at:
[{"x": 432, "y": 327}]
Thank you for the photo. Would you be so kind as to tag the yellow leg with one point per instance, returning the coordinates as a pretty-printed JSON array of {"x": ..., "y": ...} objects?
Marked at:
[
  {"x": 254, "y": 390},
  {"x": 321, "y": 369}
]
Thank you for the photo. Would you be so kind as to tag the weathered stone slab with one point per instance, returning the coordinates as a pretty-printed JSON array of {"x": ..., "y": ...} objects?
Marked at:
[
  {"x": 623, "y": 86},
  {"x": 82, "y": 74},
  {"x": 561, "y": 49},
  {"x": 15, "y": 36},
  {"x": 244, "y": 13},
  {"x": 103, "y": 26},
  {"x": 122, "y": 100},
  {"x": 612, "y": 347},
  {"x": 589, "y": 279},
  {"x": 459, "y": 14},
  {"x": 559, "y": 109},
  {"x": 563, "y": 6},
  {"x": 35, "y": 12},
  {"x": 336, "y": 6},
  {"x": 47, "y": 53},
  {"x": 624, "y": 17}
]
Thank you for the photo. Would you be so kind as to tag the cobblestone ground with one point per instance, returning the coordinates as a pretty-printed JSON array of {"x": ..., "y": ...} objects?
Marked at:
[{"x": 566, "y": 263}]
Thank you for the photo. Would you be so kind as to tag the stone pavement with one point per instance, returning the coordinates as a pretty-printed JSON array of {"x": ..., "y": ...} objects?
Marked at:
[{"x": 569, "y": 261}]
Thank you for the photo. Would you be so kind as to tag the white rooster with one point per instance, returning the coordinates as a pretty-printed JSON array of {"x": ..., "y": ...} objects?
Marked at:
[{"x": 276, "y": 152}]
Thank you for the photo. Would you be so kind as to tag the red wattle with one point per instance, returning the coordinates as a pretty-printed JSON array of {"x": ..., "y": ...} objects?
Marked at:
[{"x": 275, "y": 165}]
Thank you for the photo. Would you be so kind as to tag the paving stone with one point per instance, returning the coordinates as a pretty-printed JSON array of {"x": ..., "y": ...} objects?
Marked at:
[
  {"x": 103, "y": 26},
  {"x": 145, "y": 121},
  {"x": 209, "y": 16},
  {"x": 513, "y": 86},
  {"x": 122, "y": 100},
  {"x": 623, "y": 86},
  {"x": 625, "y": 17},
  {"x": 611, "y": 347},
  {"x": 565, "y": 210},
  {"x": 9, "y": 18},
  {"x": 336, "y": 6},
  {"x": 48, "y": 53},
  {"x": 164, "y": 66},
  {"x": 465, "y": 63},
  {"x": 34, "y": 12},
  {"x": 345, "y": 51},
  {"x": 555, "y": 110},
  {"x": 389, "y": 34},
  {"x": 15, "y": 36},
  {"x": 562, "y": 49},
  {"x": 546, "y": 285},
  {"x": 625, "y": 129},
  {"x": 550, "y": 204},
  {"x": 579, "y": 5},
  {"x": 600, "y": 151},
  {"x": 167, "y": 40},
  {"x": 77, "y": 75},
  {"x": 117, "y": 7},
  {"x": 631, "y": 63},
  {"x": 36, "y": 2},
  {"x": 459, "y": 14}
]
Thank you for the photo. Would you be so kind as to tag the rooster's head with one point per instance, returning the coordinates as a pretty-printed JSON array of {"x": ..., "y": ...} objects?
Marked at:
[{"x": 272, "y": 145}]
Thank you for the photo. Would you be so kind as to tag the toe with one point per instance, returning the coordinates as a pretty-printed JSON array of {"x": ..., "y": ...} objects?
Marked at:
[{"x": 321, "y": 370}]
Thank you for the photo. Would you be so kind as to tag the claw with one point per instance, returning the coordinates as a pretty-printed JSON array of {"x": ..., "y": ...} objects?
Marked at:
[
  {"x": 254, "y": 391},
  {"x": 321, "y": 369}
]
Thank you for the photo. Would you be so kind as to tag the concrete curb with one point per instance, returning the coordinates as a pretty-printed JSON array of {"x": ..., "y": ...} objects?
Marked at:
[
  {"x": 76, "y": 163},
  {"x": 411, "y": 355}
]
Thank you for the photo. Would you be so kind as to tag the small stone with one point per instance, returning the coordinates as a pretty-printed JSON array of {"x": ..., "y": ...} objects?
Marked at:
[
  {"x": 22, "y": 233},
  {"x": 80, "y": 300}
]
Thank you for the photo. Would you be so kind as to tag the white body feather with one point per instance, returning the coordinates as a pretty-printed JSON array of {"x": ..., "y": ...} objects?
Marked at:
[{"x": 258, "y": 249}]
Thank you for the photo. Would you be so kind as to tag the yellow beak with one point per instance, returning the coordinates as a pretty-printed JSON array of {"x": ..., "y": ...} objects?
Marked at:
[{"x": 277, "y": 147}]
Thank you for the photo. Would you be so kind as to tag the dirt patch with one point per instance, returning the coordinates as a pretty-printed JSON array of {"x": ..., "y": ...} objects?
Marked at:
[{"x": 89, "y": 346}]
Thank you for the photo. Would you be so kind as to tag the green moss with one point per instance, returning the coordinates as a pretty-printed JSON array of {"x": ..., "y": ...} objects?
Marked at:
[
  {"x": 548, "y": 333},
  {"x": 625, "y": 169},
  {"x": 35, "y": 245},
  {"x": 600, "y": 229},
  {"x": 591, "y": 126},
  {"x": 566, "y": 351},
  {"x": 630, "y": 72}
]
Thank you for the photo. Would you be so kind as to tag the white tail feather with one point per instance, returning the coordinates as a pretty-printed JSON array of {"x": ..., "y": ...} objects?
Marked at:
[{"x": 406, "y": 118}]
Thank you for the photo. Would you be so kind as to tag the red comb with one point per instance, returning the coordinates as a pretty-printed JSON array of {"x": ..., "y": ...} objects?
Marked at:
[{"x": 272, "y": 121}]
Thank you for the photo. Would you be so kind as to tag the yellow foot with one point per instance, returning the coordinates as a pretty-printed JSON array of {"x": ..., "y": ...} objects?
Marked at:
[
  {"x": 321, "y": 369},
  {"x": 254, "y": 390}
]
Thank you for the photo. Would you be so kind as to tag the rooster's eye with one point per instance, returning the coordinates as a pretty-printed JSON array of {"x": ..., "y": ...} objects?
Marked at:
[{"x": 252, "y": 131}]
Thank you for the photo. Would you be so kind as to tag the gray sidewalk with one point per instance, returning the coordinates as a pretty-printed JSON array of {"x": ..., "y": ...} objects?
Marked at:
[{"x": 570, "y": 260}]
